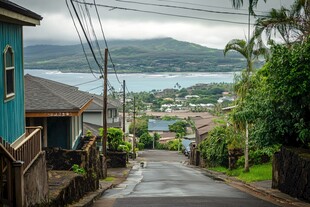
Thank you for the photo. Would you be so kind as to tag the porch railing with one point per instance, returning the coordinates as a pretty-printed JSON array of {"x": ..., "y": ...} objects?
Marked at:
[{"x": 28, "y": 150}]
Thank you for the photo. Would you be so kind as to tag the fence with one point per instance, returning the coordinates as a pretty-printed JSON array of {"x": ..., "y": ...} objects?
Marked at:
[{"x": 28, "y": 150}]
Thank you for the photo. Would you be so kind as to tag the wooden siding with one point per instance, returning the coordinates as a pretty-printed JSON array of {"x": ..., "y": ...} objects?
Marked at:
[{"x": 12, "y": 112}]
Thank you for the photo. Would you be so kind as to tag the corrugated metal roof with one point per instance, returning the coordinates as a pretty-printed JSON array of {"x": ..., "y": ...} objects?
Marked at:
[{"x": 159, "y": 125}]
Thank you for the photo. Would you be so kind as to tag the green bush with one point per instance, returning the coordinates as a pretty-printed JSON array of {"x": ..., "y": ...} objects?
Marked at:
[
  {"x": 114, "y": 136},
  {"x": 259, "y": 156},
  {"x": 123, "y": 148},
  {"x": 214, "y": 148},
  {"x": 140, "y": 146},
  {"x": 147, "y": 140},
  {"x": 77, "y": 169}
]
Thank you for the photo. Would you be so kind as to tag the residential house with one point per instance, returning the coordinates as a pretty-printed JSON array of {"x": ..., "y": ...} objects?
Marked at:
[
  {"x": 161, "y": 127},
  {"x": 20, "y": 148},
  {"x": 202, "y": 127},
  {"x": 58, "y": 108},
  {"x": 93, "y": 115}
]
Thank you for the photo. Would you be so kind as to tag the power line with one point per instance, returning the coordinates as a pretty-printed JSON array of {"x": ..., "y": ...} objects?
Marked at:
[
  {"x": 182, "y": 7},
  {"x": 87, "y": 39},
  {"x": 86, "y": 82},
  {"x": 106, "y": 43},
  {"x": 80, "y": 40},
  {"x": 160, "y": 13},
  {"x": 203, "y": 5}
]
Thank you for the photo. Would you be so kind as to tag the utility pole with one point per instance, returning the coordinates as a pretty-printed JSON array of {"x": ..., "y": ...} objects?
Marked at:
[
  {"x": 134, "y": 128},
  {"x": 105, "y": 104},
  {"x": 124, "y": 106}
]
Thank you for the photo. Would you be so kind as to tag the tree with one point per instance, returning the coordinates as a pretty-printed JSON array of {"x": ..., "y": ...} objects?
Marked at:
[
  {"x": 250, "y": 53},
  {"x": 114, "y": 136},
  {"x": 287, "y": 115},
  {"x": 141, "y": 127},
  {"x": 252, "y": 4},
  {"x": 147, "y": 140},
  {"x": 156, "y": 137},
  {"x": 178, "y": 127},
  {"x": 290, "y": 24}
]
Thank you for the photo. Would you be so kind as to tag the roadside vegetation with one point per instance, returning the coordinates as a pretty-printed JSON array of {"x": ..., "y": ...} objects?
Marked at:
[{"x": 273, "y": 102}]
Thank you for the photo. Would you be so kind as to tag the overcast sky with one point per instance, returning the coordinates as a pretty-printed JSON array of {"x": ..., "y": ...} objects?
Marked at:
[{"x": 57, "y": 26}]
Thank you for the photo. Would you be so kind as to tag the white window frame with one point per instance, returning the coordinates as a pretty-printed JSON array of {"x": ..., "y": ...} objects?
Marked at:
[{"x": 9, "y": 95}]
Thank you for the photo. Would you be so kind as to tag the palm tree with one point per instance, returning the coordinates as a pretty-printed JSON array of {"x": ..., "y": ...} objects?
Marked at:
[
  {"x": 292, "y": 25},
  {"x": 247, "y": 50},
  {"x": 251, "y": 53}
]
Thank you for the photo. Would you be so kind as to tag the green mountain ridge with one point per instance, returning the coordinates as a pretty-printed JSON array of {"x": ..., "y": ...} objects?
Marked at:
[{"x": 153, "y": 55}]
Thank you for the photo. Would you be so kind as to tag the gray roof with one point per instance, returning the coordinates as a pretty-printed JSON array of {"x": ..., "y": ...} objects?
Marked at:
[
  {"x": 43, "y": 95},
  {"x": 97, "y": 103},
  {"x": 159, "y": 125}
]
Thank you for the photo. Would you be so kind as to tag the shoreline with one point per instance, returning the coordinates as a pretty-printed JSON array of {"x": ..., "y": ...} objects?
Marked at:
[{"x": 124, "y": 73}]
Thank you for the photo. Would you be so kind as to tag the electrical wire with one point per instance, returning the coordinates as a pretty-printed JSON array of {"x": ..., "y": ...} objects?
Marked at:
[
  {"x": 87, "y": 60},
  {"x": 161, "y": 13},
  {"x": 88, "y": 41},
  {"x": 181, "y": 7},
  {"x": 86, "y": 82},
  {"x": 106, "y": 43},
  {"x": 203, "y": 5}
]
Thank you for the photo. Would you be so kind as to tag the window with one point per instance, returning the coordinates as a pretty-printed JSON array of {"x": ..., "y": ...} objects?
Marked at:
[{"x": 9, "y": 72}]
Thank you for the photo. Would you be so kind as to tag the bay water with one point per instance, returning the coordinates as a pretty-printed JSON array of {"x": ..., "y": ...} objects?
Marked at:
[{"x": 135, "y": 82}]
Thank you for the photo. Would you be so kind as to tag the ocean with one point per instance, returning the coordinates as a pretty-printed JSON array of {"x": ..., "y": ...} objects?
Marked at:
[{"x": 135, "y": 82}]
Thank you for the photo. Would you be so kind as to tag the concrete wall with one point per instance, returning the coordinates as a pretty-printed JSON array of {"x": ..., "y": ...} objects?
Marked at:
[
  {"x": 291, "y": 172},
  {"x": 35, "y": 183}
]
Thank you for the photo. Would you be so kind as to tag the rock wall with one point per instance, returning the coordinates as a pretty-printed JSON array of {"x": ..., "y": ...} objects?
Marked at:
[
  {"x": 116, "y": 159},
  {"x": 35, "y": 183},
  {"x": 291, "y": 172},
  {"x": 88, "y": 158}
]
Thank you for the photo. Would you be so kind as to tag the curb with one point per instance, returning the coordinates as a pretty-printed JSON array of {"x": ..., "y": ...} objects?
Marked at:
[{"x": 258, "y": 190}]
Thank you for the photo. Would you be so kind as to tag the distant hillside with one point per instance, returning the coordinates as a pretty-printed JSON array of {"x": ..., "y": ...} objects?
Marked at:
[{"x": 155, "y": 55}]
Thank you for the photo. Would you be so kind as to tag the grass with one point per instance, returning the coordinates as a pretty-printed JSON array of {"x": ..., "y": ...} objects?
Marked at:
[
  {"x": 257, "y": 173},
  {"x": 109, "y": 179}
]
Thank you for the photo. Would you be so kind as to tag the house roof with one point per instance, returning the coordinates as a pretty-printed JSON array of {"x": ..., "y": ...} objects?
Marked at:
[
  {"x": 97, "y": 103},
  {"x": 56, "y": 99},
  {"x": 203, "y": 122},
  {"x": 14, "y": 13},
  {"x": 159, "y": 125}
]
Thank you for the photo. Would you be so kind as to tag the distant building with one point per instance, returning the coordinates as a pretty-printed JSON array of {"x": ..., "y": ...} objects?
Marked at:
[
  {"x": 159, "y": 126},
  {"x": 93, "y": 116},
  {"x": 191, "y": 96}
]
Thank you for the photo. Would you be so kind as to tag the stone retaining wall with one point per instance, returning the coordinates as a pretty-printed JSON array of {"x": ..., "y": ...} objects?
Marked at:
[
  {"x": 116, "y": 159},
  {"x": 87, "y": 158},
  {"x": 291, "y": 172}
]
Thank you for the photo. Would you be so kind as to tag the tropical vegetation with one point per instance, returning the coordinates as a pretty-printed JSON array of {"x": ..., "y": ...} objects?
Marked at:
[{"x": 273, "y": 102}]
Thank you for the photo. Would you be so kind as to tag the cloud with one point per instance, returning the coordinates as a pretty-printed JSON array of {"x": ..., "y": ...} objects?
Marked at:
[{"x": 57, "y": 26}]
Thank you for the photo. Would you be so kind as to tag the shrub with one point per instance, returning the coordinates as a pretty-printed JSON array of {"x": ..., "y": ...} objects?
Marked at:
[
  {"x": 77, "y": 169},
  {"x": 214, "y": 147},
  {"x": 140, "y": 146}
]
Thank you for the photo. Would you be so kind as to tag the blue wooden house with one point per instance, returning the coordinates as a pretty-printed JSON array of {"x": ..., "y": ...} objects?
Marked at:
[{"x": 19, "y": 147}]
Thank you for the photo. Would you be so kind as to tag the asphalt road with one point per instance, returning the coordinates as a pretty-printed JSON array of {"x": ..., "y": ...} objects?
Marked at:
[{"x": 165, "y": 181}]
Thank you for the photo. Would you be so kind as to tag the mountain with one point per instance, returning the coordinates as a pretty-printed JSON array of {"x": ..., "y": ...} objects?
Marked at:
[{"x": 154, "y": 55}]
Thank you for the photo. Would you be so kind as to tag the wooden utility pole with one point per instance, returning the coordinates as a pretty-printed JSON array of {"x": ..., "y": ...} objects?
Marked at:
[
  {"x": 105, "y": 104},
  {"x": 124, "y": 106},
  {"x": 134, "y": 127}
]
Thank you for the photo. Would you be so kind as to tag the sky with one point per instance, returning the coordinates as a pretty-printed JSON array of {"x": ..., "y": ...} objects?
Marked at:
[{"x": 57, "y": 26}]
